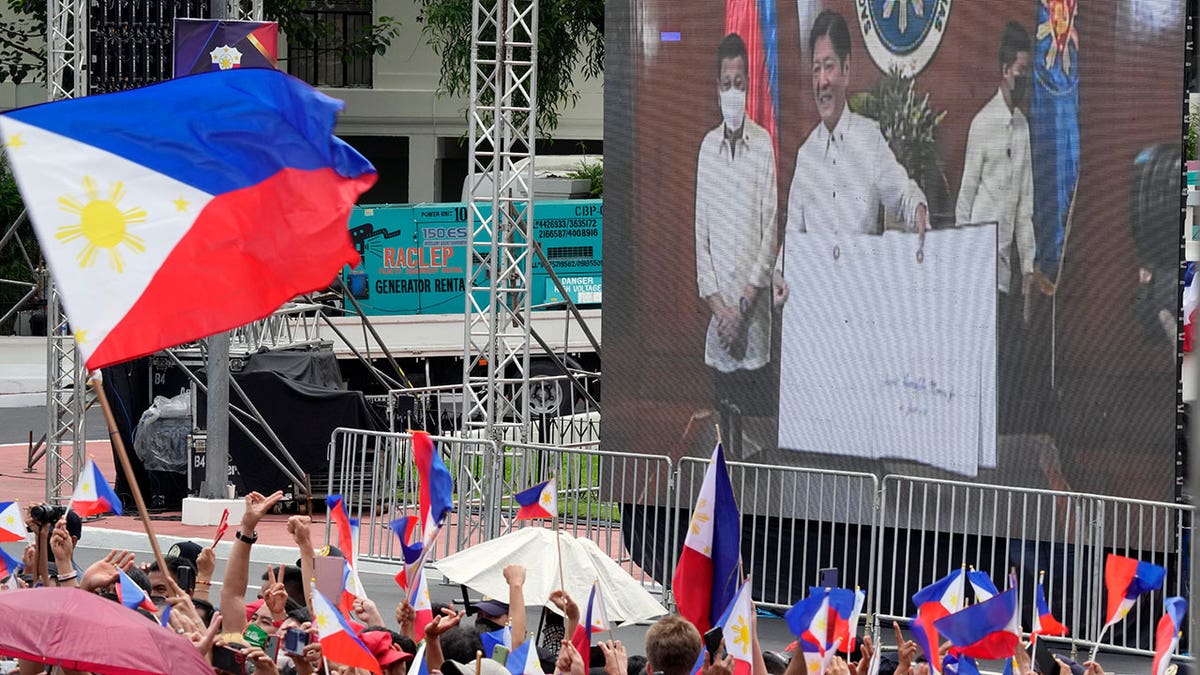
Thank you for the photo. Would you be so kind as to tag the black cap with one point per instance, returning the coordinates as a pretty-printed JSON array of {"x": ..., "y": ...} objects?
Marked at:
[
  {"x": 188, "y": 550},
  {"x": 324, "y": 552}
]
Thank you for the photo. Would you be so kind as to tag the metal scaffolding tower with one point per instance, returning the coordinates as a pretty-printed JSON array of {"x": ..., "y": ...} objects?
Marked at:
[
  {"x": 66, "y": 383},
  {"x": 502, "y": 128}
]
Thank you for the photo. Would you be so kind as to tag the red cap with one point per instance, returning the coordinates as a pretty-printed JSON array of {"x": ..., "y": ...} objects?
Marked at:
[{"x": 380, "y": 644}]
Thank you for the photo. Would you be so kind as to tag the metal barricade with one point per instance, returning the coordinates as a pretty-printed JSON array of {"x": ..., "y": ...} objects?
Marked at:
[
  {"x": 598, "y": 493},
  {"x": 929, "y": 527},
  {"x": 375, "y": 474},
  {"x": 801, "y": 520}
]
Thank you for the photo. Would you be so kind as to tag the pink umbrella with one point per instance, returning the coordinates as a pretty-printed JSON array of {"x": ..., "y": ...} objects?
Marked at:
[{"x": 83, "y": 631}]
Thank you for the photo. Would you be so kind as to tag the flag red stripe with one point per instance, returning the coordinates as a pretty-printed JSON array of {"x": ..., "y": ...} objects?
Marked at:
[
  {"x": 692, "y": 587},
  {"x": 248, "y": 252}
]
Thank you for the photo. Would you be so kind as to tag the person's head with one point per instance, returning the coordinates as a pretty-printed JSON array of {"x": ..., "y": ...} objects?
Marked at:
[
  {"x": 732, "y": 80},
  {"x": 1016, "y": 63},
  {"x": 672, "y": 646},
  {"x": 459, "y": 644},
  {"x": 491, "y": 614},
  {"x": 635, "y": 665},
  {"x": 258, "y": 613},
  {"x": 392, "y": 659},
  {"x": 158, "y": 580},
  {"x": 292, "y": 580},
  {"x": 829, "y": 42}
]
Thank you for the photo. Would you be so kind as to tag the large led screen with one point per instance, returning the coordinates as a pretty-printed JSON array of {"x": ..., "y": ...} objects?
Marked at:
[{"x": 934, "y": 238}]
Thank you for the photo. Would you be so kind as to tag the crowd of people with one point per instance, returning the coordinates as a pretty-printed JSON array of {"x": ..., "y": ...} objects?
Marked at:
[{"x": 227, "y": 630}]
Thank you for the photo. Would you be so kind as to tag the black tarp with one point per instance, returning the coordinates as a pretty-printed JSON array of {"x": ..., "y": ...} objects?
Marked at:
[{"x": 303, "y": 415}]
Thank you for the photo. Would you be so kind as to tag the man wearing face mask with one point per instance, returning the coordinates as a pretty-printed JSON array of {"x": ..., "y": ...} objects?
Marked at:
[
  {"x": 735, "y": 244},
  {"x": 997, "y": 185}
]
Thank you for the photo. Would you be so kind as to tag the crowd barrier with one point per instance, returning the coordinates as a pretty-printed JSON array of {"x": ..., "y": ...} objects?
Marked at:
[{"x": 890, "y": 537}]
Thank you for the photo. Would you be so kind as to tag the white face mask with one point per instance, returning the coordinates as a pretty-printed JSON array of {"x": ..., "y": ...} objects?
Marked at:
[{"x": 733, "y": 107}]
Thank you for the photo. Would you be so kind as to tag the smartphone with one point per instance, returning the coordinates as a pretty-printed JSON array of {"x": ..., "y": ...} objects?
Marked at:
[
  {"x": 186, "y": 577},
  {"x": 271, "y": 648},
  {"x": 500, "y": 654},
  {"x": 712, "y": 642},
  {"x": 827, "y": 578},
  {"x": 226, "y": 659},
  {"x": 294, "y": 641},
  {"x": 1044, "y": 661}
]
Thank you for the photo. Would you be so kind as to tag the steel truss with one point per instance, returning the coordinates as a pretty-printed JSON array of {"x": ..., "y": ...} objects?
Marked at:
[{"x": 502, "y": 119}]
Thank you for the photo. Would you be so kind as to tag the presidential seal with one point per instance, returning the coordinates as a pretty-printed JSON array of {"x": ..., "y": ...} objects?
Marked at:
[{"x": 902, "y": 34}]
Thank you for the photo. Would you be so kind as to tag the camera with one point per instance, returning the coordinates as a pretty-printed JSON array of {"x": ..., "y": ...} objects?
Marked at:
[
  {"x": 226, "y": 659},
  {"x": 47, "y": 513},
  {"x": 294, "y": 641}
]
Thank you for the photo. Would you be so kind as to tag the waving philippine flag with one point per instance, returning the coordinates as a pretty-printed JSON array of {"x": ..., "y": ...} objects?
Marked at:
[
  {"x": 985, "y": 630},
  {"x": 942, "y": 597},
  {"x": 539, "y": 501},
  {"x": 1044, "y": 622},
  {"x": 12, "y": 526},
  {"x": 737, "y": 630},
  {"x": 1126, "y": 579},
  {"x": 131, "y": 595},
  {"x": 338, "y": 641},
  {"x": 179, "y": 210},
  {"x": 809, "y": 621},
  {"x": 706, "y": 577},
  {"x": 8, "y": 566},
  {"x": 1166, "y": 637},
  {"x": 435, "y": 495},
  {"x": 93, "y": 495}
]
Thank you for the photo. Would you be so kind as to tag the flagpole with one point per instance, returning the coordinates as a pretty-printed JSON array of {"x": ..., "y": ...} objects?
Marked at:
[
  {"x": 562, "y": 583},
  {"x": 418, "y": 566},
  {"x": 1033, "y": 638},
  {"x": 114, "y": 436}
]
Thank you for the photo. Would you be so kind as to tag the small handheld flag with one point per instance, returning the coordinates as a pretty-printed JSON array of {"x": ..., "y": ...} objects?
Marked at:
[
  {"x": 1044, "y": 622},
  {"x": 131, "y": 595},
  {"x": 596, "y": 617},
  {"x": 496, "y": 638},
  {"x": 987, "y": 630},
  {"x": 9, "y": 566},
  {"x": 524, "y": 660},
  {"x": 435, "y": 497},
  {"x": 338, "y": 641},
  {"x": 941, "y": 598},
  {"x": 222, "y": 527},
  {"x": 93, "y": 495},
  {"x": 1126, "y": 579},
  {"x": 12, "y": 526},
  {"x": 343, "y": 525},
  {"x": 1166, "y": 636},
  {"x": 738, "y": 631},
  {"x": 539, "y": 501},
  {"x": 982, "y": 584}
]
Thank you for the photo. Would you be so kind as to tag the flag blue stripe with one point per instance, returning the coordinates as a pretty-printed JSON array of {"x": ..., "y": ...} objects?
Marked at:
[
  {"x": 206, "y": 130},
  {"x": 973, "y": 624},
  {"x": 531, "y": 496},
  {"x": 104, "y": 491},
  {"x": 726, "y": 543}
]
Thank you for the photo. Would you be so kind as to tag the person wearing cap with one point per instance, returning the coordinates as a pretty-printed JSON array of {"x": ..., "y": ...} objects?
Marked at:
[
  {"x": 492, "y": 614},
  {"x": 392, "y": 658}
]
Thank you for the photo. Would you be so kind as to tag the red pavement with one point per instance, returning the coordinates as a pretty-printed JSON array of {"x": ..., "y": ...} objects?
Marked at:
[{"x": 31, "y": 487}]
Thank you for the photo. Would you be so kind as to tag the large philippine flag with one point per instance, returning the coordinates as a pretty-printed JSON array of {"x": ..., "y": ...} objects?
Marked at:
[
  {"x": 706, "y": 578},
  {"x": 179, "y": 210}
]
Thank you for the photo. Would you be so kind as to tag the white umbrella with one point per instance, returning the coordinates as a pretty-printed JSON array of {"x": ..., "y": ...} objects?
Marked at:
[{"x": 583, "y": 563}]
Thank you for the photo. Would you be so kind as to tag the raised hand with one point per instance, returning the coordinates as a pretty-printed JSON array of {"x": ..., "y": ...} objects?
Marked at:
[
  {"x": 300, "y": 527},
  {"x": 274, "y": 594},
  {"x": 443, "y": 623},
  {"x": 565, "y": 604},
  {"x": 367, "y": 612},
  {"x": 258, "y": 506},
  {"x": 103, "y": 573},
  {"x": 616, "y": 662}
]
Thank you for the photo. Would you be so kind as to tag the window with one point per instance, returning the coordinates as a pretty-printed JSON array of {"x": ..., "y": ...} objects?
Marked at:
[{"x": 322, "y": 61}]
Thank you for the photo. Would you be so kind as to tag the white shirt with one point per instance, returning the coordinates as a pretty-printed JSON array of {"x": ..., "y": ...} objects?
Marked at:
[
  {"x": 842, "y": 177},
  {"x": 735, "y": 236},
  {"x": 997, "y": 184}
]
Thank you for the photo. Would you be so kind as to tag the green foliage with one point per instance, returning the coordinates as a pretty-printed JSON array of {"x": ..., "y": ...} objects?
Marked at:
[
  {"x": 910, "y": 126},
  {"x": 592, "y": 172},
  {"x": 1193, "y": 129},
  {"x": 19, "y": 255},
  {"x": 570, "y": 41},
  {"x": 22, "y": 40}
]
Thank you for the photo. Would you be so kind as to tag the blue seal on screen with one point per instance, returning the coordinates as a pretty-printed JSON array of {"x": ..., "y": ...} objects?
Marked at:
[{"x": 902, "y": 34}]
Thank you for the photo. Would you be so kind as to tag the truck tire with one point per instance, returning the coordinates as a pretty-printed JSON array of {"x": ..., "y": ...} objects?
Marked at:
[{"x": 552, "y": 398}]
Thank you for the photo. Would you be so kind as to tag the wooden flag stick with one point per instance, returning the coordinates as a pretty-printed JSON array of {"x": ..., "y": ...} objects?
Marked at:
[
  {"x": 114, "y": 436},
  {"x": 562, "y": 582}
]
